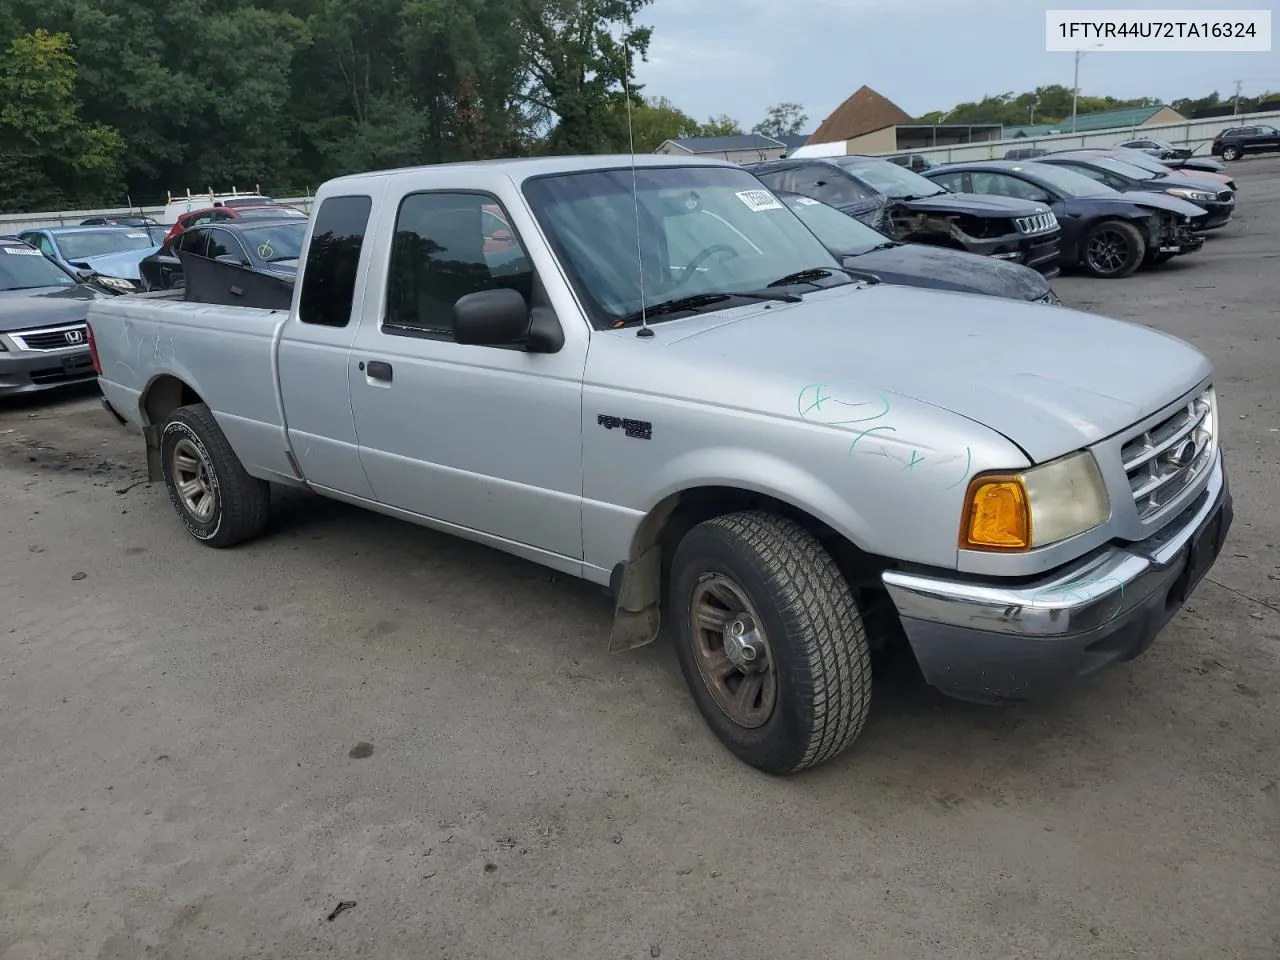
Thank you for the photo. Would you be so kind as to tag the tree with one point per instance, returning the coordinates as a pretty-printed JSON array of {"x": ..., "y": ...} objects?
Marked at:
[
  {"x": 720, "y": 126},
  {"x": 782, "y": 120},
  {"x": 657, "y": 120},
  {"x": 580, "y": 69},
  {"x": 49, "y": 156}
]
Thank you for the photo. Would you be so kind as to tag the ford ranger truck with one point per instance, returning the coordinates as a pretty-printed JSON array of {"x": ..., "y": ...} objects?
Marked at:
[{"x": 661, "y": 381}]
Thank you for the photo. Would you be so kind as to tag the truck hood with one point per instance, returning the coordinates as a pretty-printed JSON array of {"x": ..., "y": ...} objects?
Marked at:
[
  {"x": 941, "y": 268},
  {"x": 44, "y": 307},
  {"x": 1158, "y": 201},
  {"x": 1050, "y": 379},
  {"x": 123, "y": 264}
]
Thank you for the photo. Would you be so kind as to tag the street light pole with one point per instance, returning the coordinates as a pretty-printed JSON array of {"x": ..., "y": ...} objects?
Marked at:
[{"x": 1075, "y": 93}]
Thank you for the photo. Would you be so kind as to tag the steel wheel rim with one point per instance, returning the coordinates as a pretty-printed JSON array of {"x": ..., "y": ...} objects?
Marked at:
[
  {"x": 193, "y": 480},
  {"x": 732, "y": 651},
  {"x": 1108, "y": 251}
]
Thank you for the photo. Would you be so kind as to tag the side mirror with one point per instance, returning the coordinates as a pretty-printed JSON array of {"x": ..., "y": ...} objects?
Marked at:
[
  {"x": 491, "y": 318},
  {"x": 1041, "y": 197},
  {"x": 84, "y": 275}
]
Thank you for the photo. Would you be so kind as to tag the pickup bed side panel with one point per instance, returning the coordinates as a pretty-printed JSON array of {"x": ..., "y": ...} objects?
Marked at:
[{"x": 224, "y": 354}]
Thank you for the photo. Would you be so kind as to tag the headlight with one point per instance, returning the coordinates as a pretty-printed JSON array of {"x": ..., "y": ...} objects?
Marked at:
[
  {"x": 1188, "y": 194},
  {"x": 115, "y": 283},
  {"x": 1048, "y": 503}
]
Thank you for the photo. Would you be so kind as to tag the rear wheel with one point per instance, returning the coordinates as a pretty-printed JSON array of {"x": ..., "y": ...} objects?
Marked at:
[
  {"x": 1113, "y": 249},
  {"x": 217, "y": 501},
  {"x": 770, "y": 641},
  {"x": 1231, "y": 152}
]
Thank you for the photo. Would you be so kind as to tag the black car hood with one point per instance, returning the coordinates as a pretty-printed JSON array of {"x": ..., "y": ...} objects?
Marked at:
[
  {"x": 940, "y": 268},
  {"x": 976, "y": 204},
  {"x": 45, "y": 306}
]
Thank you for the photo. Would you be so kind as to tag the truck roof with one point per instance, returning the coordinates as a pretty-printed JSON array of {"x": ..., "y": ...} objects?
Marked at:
[{"x": 525, "y": 167}]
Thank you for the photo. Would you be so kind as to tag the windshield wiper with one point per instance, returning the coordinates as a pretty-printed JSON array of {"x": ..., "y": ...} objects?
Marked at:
[
  {"x": 698, "y": 300},
  {"x": 817, "y": 273}
]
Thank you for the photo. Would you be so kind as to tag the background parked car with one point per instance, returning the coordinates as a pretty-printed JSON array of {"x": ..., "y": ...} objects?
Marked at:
[
  {"x": 120, "y": 222},
  {"x": 208, "y": 215},
  {"x": 1024, "y": 153},
  {"x": 916, "y": 264},
  {"x": 177, "y": 206},
  {"x": 1160, "y": 149},
  {"x": 1219, "y": 205},
  {"x": 1111, "y": 234},
  {"x": 1234, "y": 142},
  {"x": 913, "y": 161},
  {"x": 1161, "y": 169},
  {"x": 268, "y": 246},
  {"x": 43, "y": 339},
  {"x": 111, "y": 253},
  {"x": 905, "y": 206}
]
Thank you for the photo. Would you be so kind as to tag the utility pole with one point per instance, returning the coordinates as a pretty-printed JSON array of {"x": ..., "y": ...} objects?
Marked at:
[
  {"x": 1075, "y": 92},
  {"x": 1236, "y": 111}
]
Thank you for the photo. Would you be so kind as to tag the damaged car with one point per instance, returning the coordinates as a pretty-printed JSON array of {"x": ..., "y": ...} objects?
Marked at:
[
  {"x": 864, "y": 251},
  {"x": 906, "y": 206},
  {"x": 1108, "y": 233}
]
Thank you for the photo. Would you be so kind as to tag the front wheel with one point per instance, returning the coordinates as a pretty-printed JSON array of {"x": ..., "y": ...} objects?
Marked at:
[
  {"x": 217, "y": 501},
  {"x": 1114, "y": 249},
  {"x": 1231, "y": 152},
  {"x": 770, "y": 641}
]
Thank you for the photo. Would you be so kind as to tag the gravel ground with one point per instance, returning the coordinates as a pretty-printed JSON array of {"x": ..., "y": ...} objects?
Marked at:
[{"x": 204, "y": 753}]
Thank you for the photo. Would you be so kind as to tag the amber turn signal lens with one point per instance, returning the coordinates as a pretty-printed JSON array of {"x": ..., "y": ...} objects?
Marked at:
[{"x": 996, "y": 515}]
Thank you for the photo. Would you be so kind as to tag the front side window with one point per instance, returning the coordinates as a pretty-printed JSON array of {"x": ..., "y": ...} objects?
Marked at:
[
  {"x": 659, "y": 234},
  {"x": 1003, "y": 185},
  {"x": 446, "y": 246},
  {"x": 223, "y": 244},
  {"x": 333, "y": 259},
  {"x": 951, "y": 181}
]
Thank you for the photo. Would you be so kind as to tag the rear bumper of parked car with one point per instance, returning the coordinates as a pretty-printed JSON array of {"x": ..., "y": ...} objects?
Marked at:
[
  {"x": 978, "y": 641},
  {"x": 1039, "y": 252},
  {"x": 27, "y": 371}
]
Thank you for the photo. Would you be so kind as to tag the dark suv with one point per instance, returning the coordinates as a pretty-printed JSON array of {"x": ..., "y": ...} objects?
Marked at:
[
  {"x": 905, "y": 206},
  {"x": 1234, "y": 142}
]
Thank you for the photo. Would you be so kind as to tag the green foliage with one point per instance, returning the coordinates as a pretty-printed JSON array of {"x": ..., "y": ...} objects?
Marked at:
[
  {"x": 721, "y": 126},
  {"x": 782, "y": 120},
  {"x": 657, "y": 120},
  {"x": 1047, "y": 104},
  {"x": 145, "y": 96},
  {"x": 49, "y": 156}
]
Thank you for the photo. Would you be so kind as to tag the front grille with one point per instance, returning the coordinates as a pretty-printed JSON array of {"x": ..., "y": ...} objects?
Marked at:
[
  {"x": 1224, "y": 195},
  {"x": 54, "y": 338},
  {"x": 1162, "y": 462},
  {"x": 1040, "y": 223}
]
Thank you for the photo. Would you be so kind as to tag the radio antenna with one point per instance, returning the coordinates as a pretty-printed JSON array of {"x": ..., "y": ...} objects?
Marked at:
[{"x": 644, "y": 330}]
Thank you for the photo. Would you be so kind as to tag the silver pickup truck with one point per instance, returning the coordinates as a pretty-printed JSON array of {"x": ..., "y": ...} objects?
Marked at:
[{"x": 654, "y": 377}]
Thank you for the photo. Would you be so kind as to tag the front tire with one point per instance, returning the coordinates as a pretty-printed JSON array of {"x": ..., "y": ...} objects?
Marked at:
[
  {"x": 1231, "y": 153},
  {"x": 1113, "y": 249},
  {"x": 770, "y": 641},
  {"x": 217, "y": 501}
]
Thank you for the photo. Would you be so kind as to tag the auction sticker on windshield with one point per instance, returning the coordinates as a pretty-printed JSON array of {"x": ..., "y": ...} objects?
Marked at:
[
  {"x": 23, "y": 251},
  {"x": 759, "y": 200}
]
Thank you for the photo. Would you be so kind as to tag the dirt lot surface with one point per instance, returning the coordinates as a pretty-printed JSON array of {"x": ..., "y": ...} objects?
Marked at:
[{"x": 203, "y": 753}]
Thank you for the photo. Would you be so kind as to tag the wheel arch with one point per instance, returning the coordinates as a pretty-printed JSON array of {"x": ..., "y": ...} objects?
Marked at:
[
  {"x": 639, "y": 583},
  {"x": 164, "y": 394}
]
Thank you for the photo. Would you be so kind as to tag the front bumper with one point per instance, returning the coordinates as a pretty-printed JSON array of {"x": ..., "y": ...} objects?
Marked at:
[
  {"x": 24, "y": 371},
  {"x": 1217, "y": 214},
  {"x": 978, "y": 641},
  {"x": 1038, "y": 251}
]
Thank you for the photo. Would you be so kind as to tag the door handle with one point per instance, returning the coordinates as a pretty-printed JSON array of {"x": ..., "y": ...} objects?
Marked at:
[{"x": 377, "y": 370}]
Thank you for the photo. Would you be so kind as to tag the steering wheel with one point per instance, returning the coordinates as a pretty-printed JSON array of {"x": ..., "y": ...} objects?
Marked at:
[{"x": 701, "y": 257}]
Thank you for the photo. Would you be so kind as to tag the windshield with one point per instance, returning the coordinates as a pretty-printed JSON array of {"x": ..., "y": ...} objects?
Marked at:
[
  {"x": 84, "y": 244},
  {"x": 888, "y": 178},
  {"x": 838, "y": 232},
  {"x": 25, "y": 268},
  {"x": 1067, "y": 181},
  {"x": 283, "y": 241},
  {"x": 1123, "y": 167},
  {"x": 1143, "y": 160},
  {"x": 702, "y": 230}
]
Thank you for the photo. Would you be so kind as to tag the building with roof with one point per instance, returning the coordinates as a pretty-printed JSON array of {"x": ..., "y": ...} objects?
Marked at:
[
  {"x": 1101, "y": 120},
  {"x": 869, "y": 122},
  {"x": 740, "y": 148}
]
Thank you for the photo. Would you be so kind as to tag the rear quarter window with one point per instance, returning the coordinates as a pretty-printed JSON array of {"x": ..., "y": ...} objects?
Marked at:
[{"x": 333, "y": 259}]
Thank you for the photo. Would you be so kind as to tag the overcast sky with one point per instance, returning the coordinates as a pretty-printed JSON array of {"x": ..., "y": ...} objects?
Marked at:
[{"x": 739, "y": 56}]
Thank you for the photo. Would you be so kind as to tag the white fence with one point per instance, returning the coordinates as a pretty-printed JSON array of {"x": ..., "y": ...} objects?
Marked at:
[
  {"x": 17, "y": 222},
  {"x": 1193, "y": 134}
]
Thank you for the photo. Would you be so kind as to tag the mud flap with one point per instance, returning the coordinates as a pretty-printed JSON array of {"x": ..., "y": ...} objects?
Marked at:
[{"x": 637, "y": 617}]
